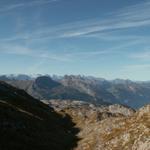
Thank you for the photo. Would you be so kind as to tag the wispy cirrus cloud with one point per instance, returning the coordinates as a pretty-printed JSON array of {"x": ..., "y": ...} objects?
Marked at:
[
  {"x": 27, "y": 51},
  {"x": 14, "y": 6},
  {"x": 129, "y": 17},
  {"x": 144, "y": 55},
  {"x": 46, "y": 54},
  {"x": 135, "y": 16},
  {"x": 15, "y": 49}
]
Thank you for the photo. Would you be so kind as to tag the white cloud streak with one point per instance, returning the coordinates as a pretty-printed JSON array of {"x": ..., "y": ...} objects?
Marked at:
[
  {"x": 63, "y": 56},
  {"x": 145, "y": 55},
  {"x": 131, "y": 17},
  {"x": 14, "y": 6},
  {"x": 25, "y": 51}
]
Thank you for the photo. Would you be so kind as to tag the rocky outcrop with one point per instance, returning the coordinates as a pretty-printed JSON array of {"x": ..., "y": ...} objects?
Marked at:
[
  {"x": 68, "y": 104},
  {"x": 114, "y": 127},
  {"x": 131, "y": 133}
]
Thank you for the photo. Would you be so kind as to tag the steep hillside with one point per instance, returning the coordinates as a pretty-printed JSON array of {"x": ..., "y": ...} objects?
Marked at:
[{"x": 28, "y": 124}]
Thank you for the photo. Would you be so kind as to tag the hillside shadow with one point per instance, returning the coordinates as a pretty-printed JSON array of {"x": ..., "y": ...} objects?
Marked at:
[
  {"x": 71, "y": 132},
  {"x": 20, "y": 130},
  {"x": 28, "y": 124}
]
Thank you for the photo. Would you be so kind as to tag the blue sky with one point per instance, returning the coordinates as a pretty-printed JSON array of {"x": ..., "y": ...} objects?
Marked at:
[{"x": 103, "y": 38}]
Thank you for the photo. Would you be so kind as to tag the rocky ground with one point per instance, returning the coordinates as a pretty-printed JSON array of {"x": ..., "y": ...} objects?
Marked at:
[{"x": 113, "y": 127}]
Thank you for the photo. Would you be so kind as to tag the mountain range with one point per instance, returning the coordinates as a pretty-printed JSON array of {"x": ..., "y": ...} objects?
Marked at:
[{"x": 90, "y": 89}]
